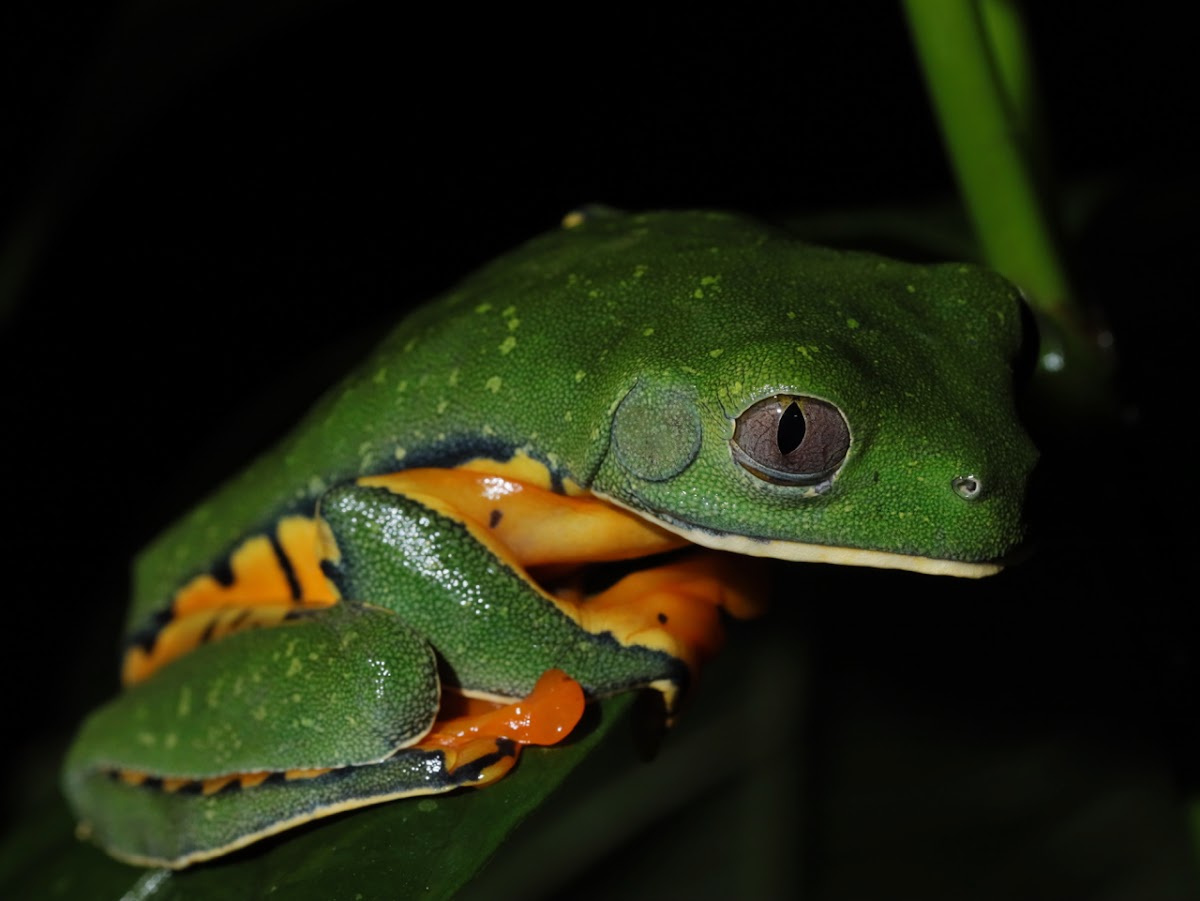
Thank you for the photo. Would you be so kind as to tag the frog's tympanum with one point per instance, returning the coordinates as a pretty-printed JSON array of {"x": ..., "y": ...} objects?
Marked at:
[{"x": 545, "y": 487}]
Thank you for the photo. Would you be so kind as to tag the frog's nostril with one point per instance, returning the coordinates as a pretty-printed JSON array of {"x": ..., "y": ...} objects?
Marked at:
[{"x": 967, "y": 487}]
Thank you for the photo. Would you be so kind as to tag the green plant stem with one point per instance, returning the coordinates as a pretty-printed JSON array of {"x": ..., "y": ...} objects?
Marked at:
[{"x": 978, "y": 75}]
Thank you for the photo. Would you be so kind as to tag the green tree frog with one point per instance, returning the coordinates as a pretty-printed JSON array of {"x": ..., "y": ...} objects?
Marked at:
[{"x": 542, "y": 488}]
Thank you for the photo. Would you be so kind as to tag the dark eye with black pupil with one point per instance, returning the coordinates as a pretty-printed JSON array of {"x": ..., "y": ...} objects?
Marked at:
[
  {"x": 791, "y": 429},
  {"x": 791, "y": 440}
]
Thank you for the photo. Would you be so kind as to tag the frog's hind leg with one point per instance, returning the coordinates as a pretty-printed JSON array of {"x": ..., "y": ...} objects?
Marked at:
[{"x": 460, "y": 571}]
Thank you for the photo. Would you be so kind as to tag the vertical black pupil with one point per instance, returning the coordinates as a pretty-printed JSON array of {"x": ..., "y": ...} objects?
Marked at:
[{"x": 791, "y": 429}]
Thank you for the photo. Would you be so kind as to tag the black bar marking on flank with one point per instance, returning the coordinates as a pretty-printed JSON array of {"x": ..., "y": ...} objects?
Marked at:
[
  {"x": 207, "y": 634},
  {"x": 285, "y": 564},
  {"x": 222, "y": 570},
  {"x": 146, "y": 636}
]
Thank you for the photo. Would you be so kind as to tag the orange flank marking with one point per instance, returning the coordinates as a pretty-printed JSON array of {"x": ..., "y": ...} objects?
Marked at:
[
  {"x": 259, "y": 595},
  {"x": 297, "y": 536},
  {"x": 258, "y": 576},
  {"x": 537, "y": 526},
  {"x": 311, "y": 773},
  {"x": 180, "y": 636},
  {"x": 212, "y": 786},
  {"x": 545, "y": 717},
  {"x": 132, "y": 778},
  {"x": 174, "y": 784},
  {"x": 249, "y": 780}
]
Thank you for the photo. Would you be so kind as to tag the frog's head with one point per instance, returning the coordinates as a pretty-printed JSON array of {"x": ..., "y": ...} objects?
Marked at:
[{"x": 870, "y": 422}]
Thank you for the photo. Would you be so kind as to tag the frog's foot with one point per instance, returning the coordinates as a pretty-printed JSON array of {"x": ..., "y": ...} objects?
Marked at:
[
  {"x": 675, "y": 607},
  {"x": 545, "y": 717}
]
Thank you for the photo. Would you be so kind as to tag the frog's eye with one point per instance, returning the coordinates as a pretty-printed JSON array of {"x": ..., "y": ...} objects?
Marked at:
[{"x": 791, "y": 440}]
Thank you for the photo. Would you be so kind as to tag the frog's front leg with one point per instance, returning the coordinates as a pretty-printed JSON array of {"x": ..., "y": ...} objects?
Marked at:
[{"x": 450, "y": 551}]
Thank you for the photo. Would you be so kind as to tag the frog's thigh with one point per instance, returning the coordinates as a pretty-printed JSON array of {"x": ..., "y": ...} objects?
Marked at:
[
  {"x": 455, "y": 583},
  {"x": 179, "y": 822},
  {"x": 329, "y": 688}
]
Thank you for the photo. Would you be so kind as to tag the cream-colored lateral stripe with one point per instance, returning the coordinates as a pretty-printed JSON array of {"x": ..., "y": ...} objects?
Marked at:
[
  {"x": 274, "y": 829},
  {"x": 819, "y": 553}
]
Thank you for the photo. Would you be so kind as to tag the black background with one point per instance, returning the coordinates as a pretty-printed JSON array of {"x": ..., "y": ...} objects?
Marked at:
[{"x": 228, "y": 202}]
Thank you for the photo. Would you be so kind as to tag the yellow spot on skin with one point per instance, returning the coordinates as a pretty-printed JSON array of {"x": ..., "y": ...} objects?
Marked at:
[
  {"x": 493, "y": 384},
  {"x": 401, "y": 453},
  {"x": 453, "y": 380},
  {"x": 509, "y": 311},
  {"x": 483, "y": 308},
  {"x": 410, "y": 344},
  {"x": 147, "y": 738},
  {"x": 580, "y": 375},
  {"x": 170, "y": 741},
  {"x": 567, "y": 416},
  {"x": 402, "y": 386},
  {"x": 507, "y": 345},
  {"x": 851, "y": 323},
  {"x": 709, "y": 281},
  {"x": 185, "y": 702},
  {"x": 259, "y": 713},
  {"x": 791, "y": 315},
  {"x": 513, "y": 323},
  {"x": 442, "y": 405},
  {"x": 639, "y": 270},
  {"x": 716, "y": 352},
  {"x": 294, "y": 667},
  {"x": 380, "y": 377},
  {"x": 646, "y": 333},
  {"x": 425, "y": 805}
]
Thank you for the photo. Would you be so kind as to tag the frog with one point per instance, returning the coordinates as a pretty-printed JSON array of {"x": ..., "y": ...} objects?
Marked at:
[{"x": 554, "y": 483}]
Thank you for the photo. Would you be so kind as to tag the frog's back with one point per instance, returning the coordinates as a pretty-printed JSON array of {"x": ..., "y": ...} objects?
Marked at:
[{"x": 528, "y": 355}]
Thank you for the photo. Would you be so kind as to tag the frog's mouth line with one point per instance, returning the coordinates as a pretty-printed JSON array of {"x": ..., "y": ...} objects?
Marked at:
[{"x": 815, "y": 553}]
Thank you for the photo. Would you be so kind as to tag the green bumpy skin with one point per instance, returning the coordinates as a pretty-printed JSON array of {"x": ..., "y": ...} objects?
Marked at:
[
  {"x": 712, "y": 311},
  {"x": 623, "y": 354},
  {"x": 494, "y": 634}
]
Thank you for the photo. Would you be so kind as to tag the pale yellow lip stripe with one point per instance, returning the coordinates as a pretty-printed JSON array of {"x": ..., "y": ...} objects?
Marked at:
[{"x": 822, "y": 553}]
